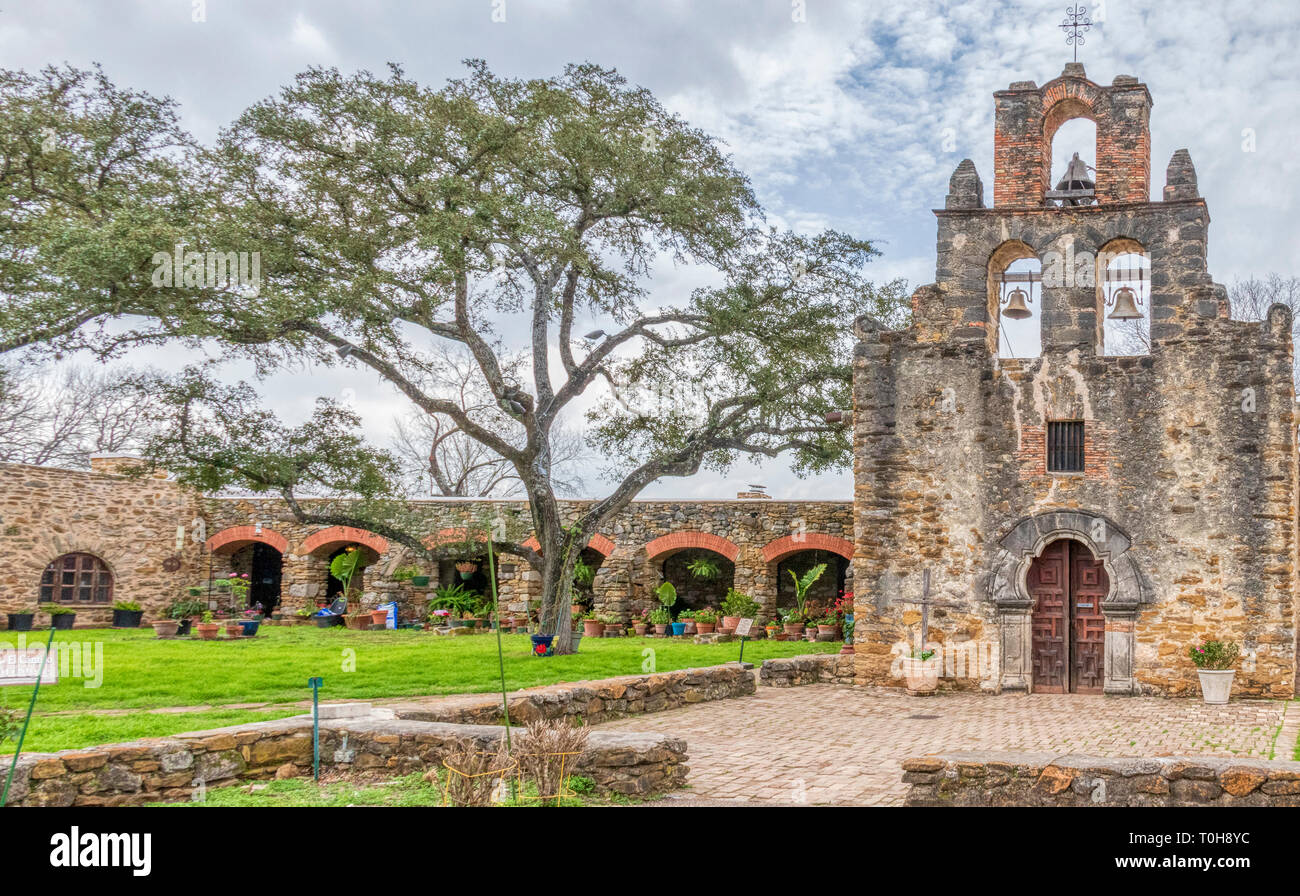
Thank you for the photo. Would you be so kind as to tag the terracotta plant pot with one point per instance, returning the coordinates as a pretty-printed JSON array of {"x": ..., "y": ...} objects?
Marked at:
[
  {"x": 690, "y": 627},
  {"x": 640, "y": 629},
  {"x": 592, "y": 629},
  {"x": 359, "y": 623},
  {"x": 379, "y": 617},
  {"x": 166, "y": 628},
  {"x": 207, "y": 631},
  {"x": 661, "y": 630},
  {"x": 729, "y": 623},
  {"x": 793, "y": 628},
  {"x": 922, "y": 676},
  {"x": 705, "y": 628},
  {"x": 826, "y": 629},
  {"x": 234, "y": 630}
]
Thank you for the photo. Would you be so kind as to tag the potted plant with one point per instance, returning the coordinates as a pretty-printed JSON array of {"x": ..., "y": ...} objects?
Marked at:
[
  {"x": 186, "y": 609},
  {"x": 234, "y": 628},
  {"x": 455, "y": 598},
  {"x": 302, "y": 616},
  {"x": 641, "y": 624},
  {"x": 166, "y": 628},
  {"x": 613, "y": 626},
  {"x": 666, "y": 594},
  {"x": 687, "y": 619},
  {"x": 792, "y": 622},
  {"x": 543, "y": 644},
  {"x": 773, "y": 630},
  {"x": 61, "y": 617},
  {"x": 706, "y": 620},
  {"x": 250, "y": 623},
  {"x": 206, "y": 629},
  {"x": 802, "y": 584},
  {"x": 1214, "y": 662},
  {"x": 466, "y": 568},
  {"x": 705, "y": 567},
  {"x": 735, "y": 607},
  {"x": 591, "y": 626},
  {"x": 827, "y": 625},
  {"x": 21, "y": 621},
  {"x": 921, "y": 672},
  {"x": 127, "y": 614},
  {"x": 660, "y": 618}
]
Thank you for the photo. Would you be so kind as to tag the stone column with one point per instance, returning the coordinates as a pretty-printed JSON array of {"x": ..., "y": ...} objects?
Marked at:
[
  {"x": 1015, "y": 644},
  {"x": 1121, "y": 622}
]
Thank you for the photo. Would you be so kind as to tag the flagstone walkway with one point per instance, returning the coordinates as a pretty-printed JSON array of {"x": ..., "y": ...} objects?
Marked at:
[{"x": 829, "y": 744}]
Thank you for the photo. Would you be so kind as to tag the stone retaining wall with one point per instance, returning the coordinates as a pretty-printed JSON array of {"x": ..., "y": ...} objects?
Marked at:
[
  {"x": 808, "y": 669},
  {"x": 1041, "y": 779},
  {"x": 172, "y": 768},
  {"x": 591, "y": 702}
]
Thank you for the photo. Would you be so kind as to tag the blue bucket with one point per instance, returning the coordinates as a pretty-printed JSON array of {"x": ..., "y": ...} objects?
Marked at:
[
  {"x": 678, "y": 628},
  {"x": 542, "y": 645}
]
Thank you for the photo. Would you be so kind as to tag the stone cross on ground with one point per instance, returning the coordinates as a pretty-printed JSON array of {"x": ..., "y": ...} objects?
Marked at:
[{"x": 925, "y": 603}]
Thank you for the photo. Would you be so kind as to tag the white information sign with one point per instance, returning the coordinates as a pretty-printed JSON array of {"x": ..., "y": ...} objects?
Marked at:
[
  {"x": 743, "y": 627},
  {"x": 22, "y": 665}
]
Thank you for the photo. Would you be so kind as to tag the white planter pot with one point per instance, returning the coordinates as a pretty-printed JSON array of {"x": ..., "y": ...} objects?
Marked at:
[
  {"x": 922, "y": 676},
  {"x": 1216, "y": 684}
]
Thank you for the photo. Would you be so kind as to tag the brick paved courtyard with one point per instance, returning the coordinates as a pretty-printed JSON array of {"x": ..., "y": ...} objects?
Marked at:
[{"x": 828, "y": 744}]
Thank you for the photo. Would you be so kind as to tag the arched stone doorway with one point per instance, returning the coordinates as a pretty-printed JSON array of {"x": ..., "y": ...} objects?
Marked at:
[
  {"x": 696, "y": 591},
  {"x": 265, "y": 567},
  {"x": 1126, "y": 592},
  {"x": 1068, "y": 586},
  {"x": 824, "y": 592}
]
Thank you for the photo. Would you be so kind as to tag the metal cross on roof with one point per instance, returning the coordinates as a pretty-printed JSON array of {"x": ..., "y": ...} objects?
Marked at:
[{"x": 1076, "y": 22}]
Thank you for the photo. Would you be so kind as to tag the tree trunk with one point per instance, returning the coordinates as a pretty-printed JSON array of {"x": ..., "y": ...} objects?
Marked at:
[{"x": 558, "y": 559}]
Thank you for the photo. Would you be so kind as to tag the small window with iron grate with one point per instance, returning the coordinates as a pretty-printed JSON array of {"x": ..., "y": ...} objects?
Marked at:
[{"x": 1065, "y": 446}]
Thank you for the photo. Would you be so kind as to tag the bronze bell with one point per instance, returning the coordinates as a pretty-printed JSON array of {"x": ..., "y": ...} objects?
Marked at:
[
  {"x": 1125, "y": 305},
  {"x": 1016, "y": 308}
]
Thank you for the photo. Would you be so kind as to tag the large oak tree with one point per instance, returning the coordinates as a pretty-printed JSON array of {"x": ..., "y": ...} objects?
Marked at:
[{"x": 526, "y": 223}]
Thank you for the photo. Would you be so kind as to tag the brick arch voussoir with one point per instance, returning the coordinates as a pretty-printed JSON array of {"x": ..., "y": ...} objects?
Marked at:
[
  {"x": 236, "y": 537},
  {"x": 342, "y": 534},
  {"x": 682, "y": 541},
  {"x": 780, "y": 548}
]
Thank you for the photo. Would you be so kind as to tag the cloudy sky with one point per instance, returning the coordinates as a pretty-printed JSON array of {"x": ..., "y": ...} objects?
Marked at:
[{"x": 845, "y": 115}]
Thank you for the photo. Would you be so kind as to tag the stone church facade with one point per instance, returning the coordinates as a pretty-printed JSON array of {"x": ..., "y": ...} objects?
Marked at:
[{"x": 1084, "y": 517}]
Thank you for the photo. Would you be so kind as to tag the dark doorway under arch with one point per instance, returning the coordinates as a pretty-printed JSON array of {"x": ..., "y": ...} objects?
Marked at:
[{"x": 1068, "y": 585}]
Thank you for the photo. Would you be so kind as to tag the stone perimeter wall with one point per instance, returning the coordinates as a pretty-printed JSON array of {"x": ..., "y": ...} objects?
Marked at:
[
  {"x": 813, "y": 668},
  {"x": 1042, "y": 779},
  {"x": 172, "y": 768},
  {"x": 591, "y": 703}
]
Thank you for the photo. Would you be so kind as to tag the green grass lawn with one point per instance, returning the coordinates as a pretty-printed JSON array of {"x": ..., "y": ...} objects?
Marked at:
[{"x": 140, "y": 672}]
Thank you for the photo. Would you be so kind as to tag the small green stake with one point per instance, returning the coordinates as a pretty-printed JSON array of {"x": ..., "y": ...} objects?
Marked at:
[{"x": 315, "y": 684}]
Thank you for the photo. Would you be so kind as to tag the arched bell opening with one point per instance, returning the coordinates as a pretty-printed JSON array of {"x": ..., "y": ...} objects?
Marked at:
[
  {"x": 1016, "y": 301},
  {"x": 1123, "y": 299}
]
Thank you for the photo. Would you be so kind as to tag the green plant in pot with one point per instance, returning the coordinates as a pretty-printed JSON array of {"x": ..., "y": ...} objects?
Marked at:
[
  {"x": 660, "y": 618},
  {"x": 802, "y": 585},
  {"x": 457, "y": 600},
  {"x": 666, "y": 594},
  {"x": 21, "y": 620},
  {"x": 737, "y": 606},
  {"x": 61, "y": 617},
  {"x": 1214, "y": 661},
  {"x": 127, "y": 614},
  {"x": 706, "y": 568}
]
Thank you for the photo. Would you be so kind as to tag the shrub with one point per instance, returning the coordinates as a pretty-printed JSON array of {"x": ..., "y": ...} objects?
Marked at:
[
  {"x": 1214, "y": 655},
  {"x": 471, "y": 773},
  {"x": 57, "y": 609},
  {"x": 737, "y": 603},
  {"x": 547, "y": 753},
  {"x": 128, "y": 606}
]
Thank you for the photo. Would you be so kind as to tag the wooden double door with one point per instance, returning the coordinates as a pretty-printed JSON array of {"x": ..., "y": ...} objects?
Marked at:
[{"x": 1068, "y": 585}]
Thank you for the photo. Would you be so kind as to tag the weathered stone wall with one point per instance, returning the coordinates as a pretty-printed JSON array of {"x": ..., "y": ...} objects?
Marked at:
[
  {"x": 1042, "y": 779},
  {"x": 130, "y": 524},
  {"x": 171, "y": 768},
  {"x": 1189, "y": 492},
  {"x": 590, "y": 703},
  {"x": 792, "y": 671}
]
